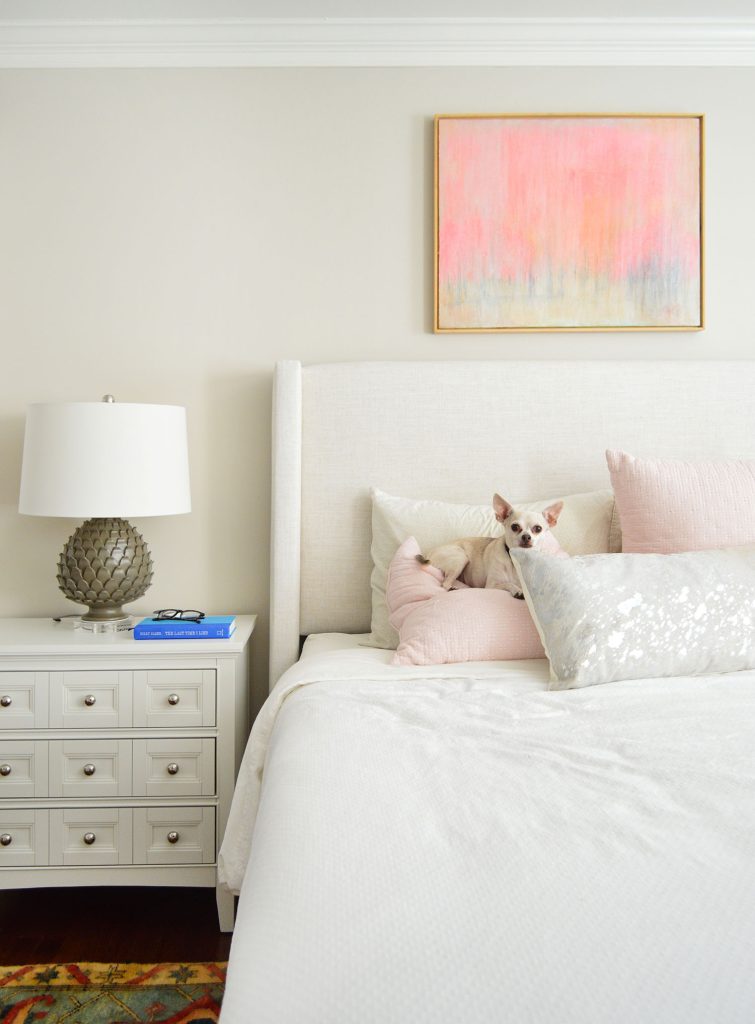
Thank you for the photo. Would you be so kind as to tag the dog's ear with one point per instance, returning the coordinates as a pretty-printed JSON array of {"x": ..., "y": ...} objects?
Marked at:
[
  {"x": 501, "y": 508},
  {"x": 552, "y": 512}
]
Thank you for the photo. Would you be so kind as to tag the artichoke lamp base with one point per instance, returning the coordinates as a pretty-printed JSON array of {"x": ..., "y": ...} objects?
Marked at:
[{"x": 104, "y": 565}]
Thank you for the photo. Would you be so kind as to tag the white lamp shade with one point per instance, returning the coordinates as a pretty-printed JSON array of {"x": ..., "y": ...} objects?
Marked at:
[{"x": 105, "y": 459}]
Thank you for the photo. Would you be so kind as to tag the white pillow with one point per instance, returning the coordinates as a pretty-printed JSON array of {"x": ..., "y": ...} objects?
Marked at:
[
  {"x": 587, "y": 524},
  {"x": 635, "y": 616}
]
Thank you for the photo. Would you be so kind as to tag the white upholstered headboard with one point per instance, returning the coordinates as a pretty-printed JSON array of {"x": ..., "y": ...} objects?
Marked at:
[{"x": 458, "y": 431}]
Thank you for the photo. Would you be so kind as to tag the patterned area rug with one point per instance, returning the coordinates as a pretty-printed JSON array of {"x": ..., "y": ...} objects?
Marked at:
[{"x": 111, "y": 993}]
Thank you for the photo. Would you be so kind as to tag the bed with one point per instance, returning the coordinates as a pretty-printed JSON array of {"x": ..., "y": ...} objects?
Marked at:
[{"x": 458, "y": 842}]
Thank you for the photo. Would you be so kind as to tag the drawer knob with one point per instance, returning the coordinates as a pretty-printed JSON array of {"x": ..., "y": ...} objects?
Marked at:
[
  {"x": 5, "y": 769},
  {"x": 6, "y": 839},
  {"x": 173, "y": 699},
  {"x": 173, "y": 837},
  {"x": 6, "y": 701},
  {"x": 172, "y": 768},
  {"x": 89, "y": 769},
  {"x": 89, "y": 838},
  {"x": 90, "y": 700}
]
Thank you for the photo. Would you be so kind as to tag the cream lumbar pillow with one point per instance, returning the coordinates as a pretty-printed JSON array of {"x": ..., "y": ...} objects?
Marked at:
[
  {"x": 586, "y": 525},
  {"x": 633, "y": 616}
]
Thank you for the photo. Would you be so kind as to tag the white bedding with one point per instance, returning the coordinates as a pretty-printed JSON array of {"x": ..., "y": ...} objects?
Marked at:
[{"x": 458, "y": 844}]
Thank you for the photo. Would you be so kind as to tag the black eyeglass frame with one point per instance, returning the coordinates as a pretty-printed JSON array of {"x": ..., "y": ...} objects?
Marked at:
[{"x": 177, "y": 615}]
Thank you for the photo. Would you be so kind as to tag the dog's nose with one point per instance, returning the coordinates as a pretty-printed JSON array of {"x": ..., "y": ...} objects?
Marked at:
[{"x": 526, "y": 538}]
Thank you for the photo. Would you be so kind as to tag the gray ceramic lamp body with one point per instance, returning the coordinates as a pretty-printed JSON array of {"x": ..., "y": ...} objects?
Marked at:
[
  {"x": 104, "y": 565},
  {"x": 104, "y": 461}
]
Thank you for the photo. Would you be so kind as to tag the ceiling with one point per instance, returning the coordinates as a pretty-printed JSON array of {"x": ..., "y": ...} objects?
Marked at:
[{"x": 126, "y": 10}]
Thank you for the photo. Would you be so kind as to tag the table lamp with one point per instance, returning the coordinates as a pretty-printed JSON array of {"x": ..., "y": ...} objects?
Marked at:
[{"x": 105, "y": 461}]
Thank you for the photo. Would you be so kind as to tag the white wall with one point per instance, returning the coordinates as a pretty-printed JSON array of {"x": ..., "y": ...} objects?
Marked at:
[{"x": 167, "y": 235}]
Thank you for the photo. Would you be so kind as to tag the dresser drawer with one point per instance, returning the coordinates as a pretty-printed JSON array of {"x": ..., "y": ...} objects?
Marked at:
[
  {"x": 174, "y": 698},
  {"x": 95, "y": 768},
  {"x": 174, "y": 835},
  {"x": 23, "y": 769},
  {"x": 23, "y": 700},
  {"x": 23, "y": 838},
  {"x": 97, "y": 835},
  {"x": 90, "y": 700},
  {"x": 174, "y": 767}
]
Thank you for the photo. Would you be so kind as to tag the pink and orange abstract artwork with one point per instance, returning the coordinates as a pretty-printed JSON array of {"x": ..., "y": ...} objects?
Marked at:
[{"x": 567, "y": 222}]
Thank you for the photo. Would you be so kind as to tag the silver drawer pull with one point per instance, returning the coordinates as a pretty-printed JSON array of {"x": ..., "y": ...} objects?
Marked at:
[
  {"x": 5, "y": 769},
  {"x": 172, "y": 768},
  {"x": 173, "y": 699},
  {"x": 89, "y": 838},
  {"x": 89, "y": 769},
  {"x": 173, "y": 837},
  {"x": 5, "y": 839},
  {"x": 6, "y": 701},
  {"x": 90, "y": 700}
]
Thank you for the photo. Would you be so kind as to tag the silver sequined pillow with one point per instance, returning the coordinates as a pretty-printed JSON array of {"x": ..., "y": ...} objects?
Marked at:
[{"x": 631, "y": 616}]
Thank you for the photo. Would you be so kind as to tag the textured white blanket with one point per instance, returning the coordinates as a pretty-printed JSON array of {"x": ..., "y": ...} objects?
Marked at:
[{"x": 460, "y": 845}]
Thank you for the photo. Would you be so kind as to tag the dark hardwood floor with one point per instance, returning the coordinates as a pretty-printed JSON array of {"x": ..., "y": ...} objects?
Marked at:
[{"x": 110, "y": 925}]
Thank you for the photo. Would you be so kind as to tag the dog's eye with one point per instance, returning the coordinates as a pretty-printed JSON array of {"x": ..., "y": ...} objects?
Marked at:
[
  {"x": 515, "y": 528},
  {"x": 537, "y": 529}
]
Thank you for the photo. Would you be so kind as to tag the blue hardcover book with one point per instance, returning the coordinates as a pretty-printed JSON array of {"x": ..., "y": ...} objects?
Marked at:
[{"x": 211, "y": 627}]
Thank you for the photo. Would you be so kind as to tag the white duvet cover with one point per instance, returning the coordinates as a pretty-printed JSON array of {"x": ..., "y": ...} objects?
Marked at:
[{"x": 458, "y": 844}]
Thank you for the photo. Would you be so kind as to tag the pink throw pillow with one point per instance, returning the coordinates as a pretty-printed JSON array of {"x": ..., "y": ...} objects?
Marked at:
[
  {"x": 436, "y": 626},
  {"x": 667, "y": 505}
]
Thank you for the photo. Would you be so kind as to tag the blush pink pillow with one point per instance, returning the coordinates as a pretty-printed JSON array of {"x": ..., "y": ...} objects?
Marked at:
[
  {"x": 667, "y": 506},
  {"x": 436, "y": 626}
]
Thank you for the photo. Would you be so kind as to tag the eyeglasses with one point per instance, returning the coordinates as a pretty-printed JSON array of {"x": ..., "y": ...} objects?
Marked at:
[{"x": 185, "y": 614}]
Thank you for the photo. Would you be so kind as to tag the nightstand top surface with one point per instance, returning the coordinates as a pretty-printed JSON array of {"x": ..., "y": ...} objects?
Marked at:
[{"x": 43, "y": 636}]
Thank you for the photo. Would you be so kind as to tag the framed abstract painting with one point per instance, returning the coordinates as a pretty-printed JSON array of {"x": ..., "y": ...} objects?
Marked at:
[{"x": 568, "y": 222}]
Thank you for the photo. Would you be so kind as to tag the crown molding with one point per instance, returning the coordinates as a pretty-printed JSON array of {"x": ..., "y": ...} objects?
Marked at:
[{"x": 378, "y": 42}]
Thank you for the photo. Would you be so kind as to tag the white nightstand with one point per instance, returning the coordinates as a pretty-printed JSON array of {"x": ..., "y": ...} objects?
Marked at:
[{"x": 118, "y": 757}]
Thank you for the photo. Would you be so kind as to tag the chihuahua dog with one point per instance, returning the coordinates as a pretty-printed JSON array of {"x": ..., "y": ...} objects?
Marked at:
[{"x": 485, "y": 561}]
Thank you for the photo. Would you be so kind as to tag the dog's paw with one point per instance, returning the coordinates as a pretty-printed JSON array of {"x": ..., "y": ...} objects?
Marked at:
[{"x": 519, "y": 595}]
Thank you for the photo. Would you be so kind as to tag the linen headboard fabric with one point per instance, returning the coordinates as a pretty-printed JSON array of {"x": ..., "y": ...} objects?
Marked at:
[{"x": 458, "y": 431}]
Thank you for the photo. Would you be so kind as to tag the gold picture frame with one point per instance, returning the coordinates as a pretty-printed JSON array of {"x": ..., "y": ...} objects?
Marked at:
[{"x": 568, "y": 223}]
